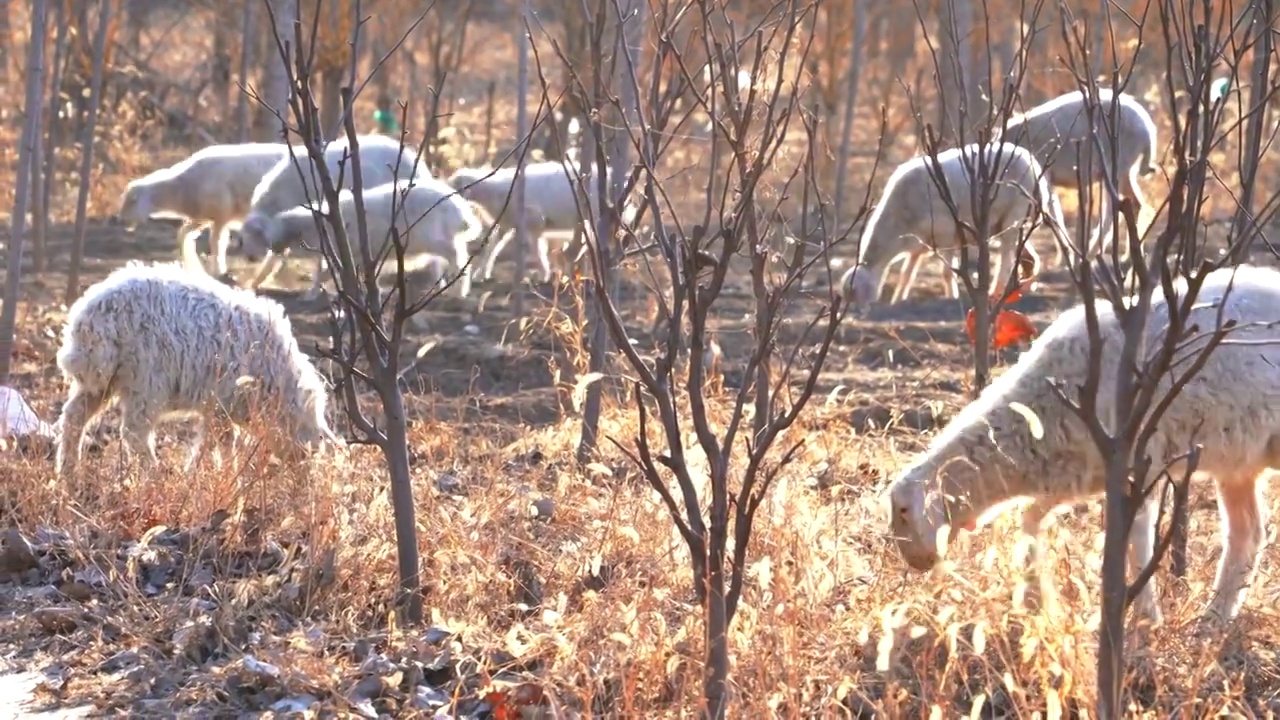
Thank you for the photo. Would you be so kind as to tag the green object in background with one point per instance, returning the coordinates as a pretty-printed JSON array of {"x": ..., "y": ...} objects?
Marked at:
[
  {"x": 386, "y": 121},
  {"x": 1219, "y": 88}
]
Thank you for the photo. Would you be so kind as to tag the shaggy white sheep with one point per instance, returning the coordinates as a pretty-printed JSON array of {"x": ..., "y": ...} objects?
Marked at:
[
  {"x": 912, "y": 205},
  {"x": 430, "y": 216},
  {"x": 211, "y": 188},
  {"x": 988, "y": 455},
  {"x": 1061, "y": 136},
  {"x": 382, "y": 160},
  {"x": 551, "y": 203},
  {"x": 163, "y": 341}
]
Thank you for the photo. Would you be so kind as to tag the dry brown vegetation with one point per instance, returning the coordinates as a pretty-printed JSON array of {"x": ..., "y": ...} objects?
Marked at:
[{"x": 266, "y": 587}]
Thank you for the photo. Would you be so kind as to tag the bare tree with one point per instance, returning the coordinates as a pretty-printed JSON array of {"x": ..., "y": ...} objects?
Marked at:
[
  {"x": 26, "y": 153},
  {"x": 447, "y": 51},
  {"x": 1151, "y": 372},
  {"x": 367, "y": 327},
  {"x": 86, "y": 150},
  {"x": 688, "y": 278}
]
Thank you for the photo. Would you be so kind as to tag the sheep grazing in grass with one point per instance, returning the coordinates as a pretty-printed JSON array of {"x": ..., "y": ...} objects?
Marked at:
[
  {"x": 431, "y": 218},
  {"x": 912, "y": 205},
  {"x": 552, "y": 203},
  {"x": 382, "y": 160},
  {"x": 211, "y": 188},
  {"x": 163, "y": 341},
  {"x": 989, "y": 453},
  {"x": 1059, "y": 133}
]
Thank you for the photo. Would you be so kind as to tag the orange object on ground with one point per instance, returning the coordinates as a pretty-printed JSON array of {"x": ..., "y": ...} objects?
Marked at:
[{"x": 1011, "y": 327}]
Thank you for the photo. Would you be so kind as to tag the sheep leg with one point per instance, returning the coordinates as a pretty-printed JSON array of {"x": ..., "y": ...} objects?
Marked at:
[
  {"x": 1130, "y": 189},
  {"x": 494, "y": 250},
  {"x": 462, "y": 256},
  {"x": 317, "y": 279},
  {"x": 137, "y": 428},
  {"x": 1142, "y": 548},
  {"x": 908, "y": 276},
  {"x": 219, "y": 239},
  {"x": 267, "y": 269},
  {"x": 79, "y": 409},
  {"x": 1038, "y": 591},
  {"x": 1241, "y": 512},
  {"x": 1104, "y": 234},
  {"x": 187, "y": 235}
]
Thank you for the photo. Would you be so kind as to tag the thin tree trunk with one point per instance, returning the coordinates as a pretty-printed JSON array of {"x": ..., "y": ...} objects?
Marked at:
[
  {"x": 248, "y": 39},
  {"x": 220, "y": 71},
  {"x": 397, "y": 454},
  {"x": 86, "y": 149},
  {"x": 275, "y": 82},
  {"x": 42, "y": 169},
  {"x": 26, "y": 151},
  {"x": 1243, "y": 225},
  {"x": 522, "y": 132},
  {"x": 850, "y": 107},
  {"x": 627, "y": 47}
]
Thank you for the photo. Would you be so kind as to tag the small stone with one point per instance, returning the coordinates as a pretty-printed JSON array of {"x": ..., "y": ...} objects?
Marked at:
[
  {"x": 426, "y": 697},
  {"x": 449, "y": 484},
  {"x": 76, "y": 590},
  {"x": 18, "y": 555},
  {"x": 58, "y": 620},
  {"x": 543, "y": 508},
  {"x": 471, "y": 329}
]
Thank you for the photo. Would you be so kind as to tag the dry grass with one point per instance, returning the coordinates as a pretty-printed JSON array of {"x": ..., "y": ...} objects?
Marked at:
[{"x": 166, "y": 594}]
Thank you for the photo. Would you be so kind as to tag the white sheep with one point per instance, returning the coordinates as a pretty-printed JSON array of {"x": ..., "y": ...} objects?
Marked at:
[
  {"x": 989, "y": 454},
  {"x": 552, "y": 203},
  {"x": 430, "y": 216},
  {"x": 164, "y": 342},
  {"x": 382, "y": 160},
  {"x": 912, "y": 205},
  {"x": 1061, "y": 136},
  {"x": 211, "y": 188}
]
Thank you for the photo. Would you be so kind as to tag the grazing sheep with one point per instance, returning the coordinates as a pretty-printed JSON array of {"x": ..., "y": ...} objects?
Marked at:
[
  {"x": 988, "y": 455},
  {"x": 552, "y": 203},
  {"x": 163, "y": 341},
  {"x": 1060, "y": 135},
  {"x": 211, "y": 188},
  {"x": 382, "y": 160},
  {"x": 430, "y": 216},
  {"x": 911, "y": 204}
]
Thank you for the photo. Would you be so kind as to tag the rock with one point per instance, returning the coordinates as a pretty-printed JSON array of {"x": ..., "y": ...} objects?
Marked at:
[
  {"x": 18, "y": 555},
  {"x": 296, "y": 704},
  {"x": 449, "y": 484},
  {"x": 426, "y": 697},
  {"x": 76, "y": 590},
  {"x": 58, "y": 620},
  {"x": 543, "y": 508}
]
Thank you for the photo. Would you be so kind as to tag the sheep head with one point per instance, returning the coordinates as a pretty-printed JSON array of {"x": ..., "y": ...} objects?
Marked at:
[
  {"x": 135, "y": 205},
  {"x": 918, "y": 512},
  {"x": 254, "y": 240},
  {"x": 860, "y": 285}
]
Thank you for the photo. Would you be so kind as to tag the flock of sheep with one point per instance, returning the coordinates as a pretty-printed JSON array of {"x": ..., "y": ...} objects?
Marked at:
[{"x": 168, "y": 339}]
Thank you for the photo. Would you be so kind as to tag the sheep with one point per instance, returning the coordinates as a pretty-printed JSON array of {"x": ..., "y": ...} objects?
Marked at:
[
  {"x": 911, "y": 204},
  {"x": 163, "y": 342},
  {"x": 211, "y": 188},
  {"x": 1060, "y": 135},
  {"x": 430, "y": 216},
  {"x": 382, "y": 160},
  {"x": 988, "y": 455},
  {"x": 552, "y": 202}
]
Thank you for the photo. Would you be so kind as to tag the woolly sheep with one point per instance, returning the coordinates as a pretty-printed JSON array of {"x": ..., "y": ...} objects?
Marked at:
[
  {"x": 1060, "y": 135},
  {"x": 382, "y": 160},
  {"x": 987, "y": 455},
  {"x": 911, "y": 204},
  {"x": 552, "y": 204},
  {"x": 211, "y": 188},
  {"x": 430, "y": 216},
  {"x": 164, "y": 342}
]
